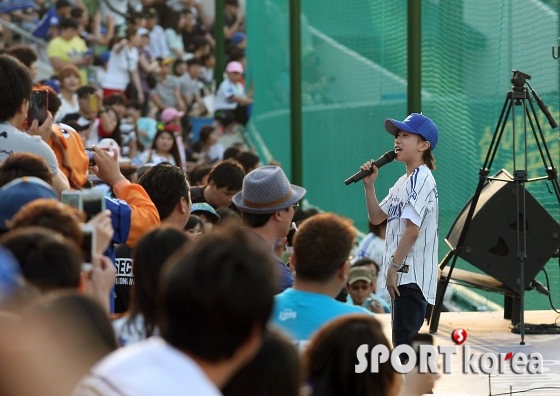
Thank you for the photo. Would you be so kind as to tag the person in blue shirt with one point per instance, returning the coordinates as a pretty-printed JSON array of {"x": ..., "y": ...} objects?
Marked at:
[
  {"x": 321, "y": 260},
  {"x": 48, "y": 25}
]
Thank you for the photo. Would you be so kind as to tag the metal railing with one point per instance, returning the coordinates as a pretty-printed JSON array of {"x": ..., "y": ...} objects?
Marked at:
[{"x": 25, "y": 37}]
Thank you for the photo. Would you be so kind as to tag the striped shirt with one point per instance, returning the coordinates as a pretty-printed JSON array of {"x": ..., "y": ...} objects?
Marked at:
[{"x": 415, "y": 198}]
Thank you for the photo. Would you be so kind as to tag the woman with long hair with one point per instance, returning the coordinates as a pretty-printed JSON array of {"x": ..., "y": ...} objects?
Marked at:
[
  {"x": 151, "y": 253},
  {"x": 164, "y": 148},
  {"x": 330, "y": 359},
  {"x": 331, "y": 355}
]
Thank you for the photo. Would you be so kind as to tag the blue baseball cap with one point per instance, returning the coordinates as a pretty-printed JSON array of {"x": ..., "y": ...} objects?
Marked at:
[
  {"x": 53, "y": 83},
  {"x": 415, "y": 123},
  {"x": 237, "y": 38},
  {"x": 20, "y": 192},
  {"x": 104, "y": 57}
]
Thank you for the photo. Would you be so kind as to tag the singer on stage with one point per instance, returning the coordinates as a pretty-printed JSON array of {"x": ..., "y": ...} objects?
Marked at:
[{"x": 411, "y": 244}]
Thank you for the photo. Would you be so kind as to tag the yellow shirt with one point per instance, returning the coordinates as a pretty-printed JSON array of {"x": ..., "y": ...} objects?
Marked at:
[{"x": 68, "y": 51}]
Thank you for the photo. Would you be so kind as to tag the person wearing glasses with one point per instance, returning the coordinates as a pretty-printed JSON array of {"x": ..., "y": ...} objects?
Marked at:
[
  {"x": 267, "y": 202},
  {"x": 361, "y": 289}
]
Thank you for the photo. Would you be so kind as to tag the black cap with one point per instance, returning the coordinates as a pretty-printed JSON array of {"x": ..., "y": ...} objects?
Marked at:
[{"x": 63, "y": 3}]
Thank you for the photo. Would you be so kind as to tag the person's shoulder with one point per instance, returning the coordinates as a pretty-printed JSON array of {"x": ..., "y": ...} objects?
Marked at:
[
  {"x": 341, "y": 308},
  {"x": 424, "y": 173},
  {"x": 423, "y": 170},
  {"x": 352, "y": 309},
  {"x": 225, "y": 84},
  {"x": 78, "y": 41},
  {"x": 197, "y": 194},
  {"x": 33, "y": 141},
  {"x": 55, "y": 42},
  {"x": 129, "y": 332},
  {"x": 173, "y": 374},
  {"x": 286, "y": 294}
]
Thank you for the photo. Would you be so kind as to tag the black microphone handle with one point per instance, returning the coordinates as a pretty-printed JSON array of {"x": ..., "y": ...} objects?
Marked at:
[
  {"x": 356, "y": 177},
  {"x": 381, "y": 161}
]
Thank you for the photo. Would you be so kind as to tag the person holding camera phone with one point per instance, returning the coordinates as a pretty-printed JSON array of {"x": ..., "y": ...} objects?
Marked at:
[{"x": 16, "y": 87}]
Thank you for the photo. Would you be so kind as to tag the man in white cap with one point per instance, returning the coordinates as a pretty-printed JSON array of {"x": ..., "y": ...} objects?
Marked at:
[{"x": 267, "y": 202}]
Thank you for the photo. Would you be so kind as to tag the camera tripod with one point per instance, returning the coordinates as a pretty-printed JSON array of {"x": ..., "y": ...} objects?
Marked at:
[{"x": 519, "y": 95}]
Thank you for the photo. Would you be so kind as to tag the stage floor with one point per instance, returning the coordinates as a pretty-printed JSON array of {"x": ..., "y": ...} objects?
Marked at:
[{"x": 489, "y": 332}]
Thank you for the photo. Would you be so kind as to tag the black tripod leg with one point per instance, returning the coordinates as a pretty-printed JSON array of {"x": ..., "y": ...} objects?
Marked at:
[{"x": 441, "y": 289}]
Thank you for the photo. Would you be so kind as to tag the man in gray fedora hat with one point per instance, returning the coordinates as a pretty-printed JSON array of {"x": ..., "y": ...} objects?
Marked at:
[{"x": 267, "y": 202}]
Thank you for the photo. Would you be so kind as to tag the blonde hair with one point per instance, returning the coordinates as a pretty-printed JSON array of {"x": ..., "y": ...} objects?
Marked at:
[{"x": 67, "y": 71}]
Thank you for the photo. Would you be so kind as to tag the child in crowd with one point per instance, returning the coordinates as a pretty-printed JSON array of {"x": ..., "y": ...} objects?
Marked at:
[
  {"x": 208, "y": 148},
  {"x": 360, "y": 288},
  {"x": 173, "y": 121},
  {"x": 193, "y": 228},
  {"x": 207, "y": 214},
  {"x": 232, "y": 104},
  {"x": 167, "y": 92},
  {"x": 146, "y": 128},
  {"x": 411, "y": 209}
]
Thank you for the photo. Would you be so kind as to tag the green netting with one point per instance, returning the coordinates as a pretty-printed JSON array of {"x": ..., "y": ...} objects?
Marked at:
[{"x": 354, "y": 71}]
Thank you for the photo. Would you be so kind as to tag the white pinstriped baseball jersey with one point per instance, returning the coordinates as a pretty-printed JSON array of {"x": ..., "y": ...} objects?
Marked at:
[{"x": 415, "y": 198}]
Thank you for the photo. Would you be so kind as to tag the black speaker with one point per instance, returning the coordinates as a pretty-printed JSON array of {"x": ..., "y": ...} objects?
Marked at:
[{"x": 491, "y": 243}]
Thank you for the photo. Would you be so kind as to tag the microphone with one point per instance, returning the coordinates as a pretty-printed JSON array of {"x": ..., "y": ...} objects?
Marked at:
[{"x": 381, "y": 161}]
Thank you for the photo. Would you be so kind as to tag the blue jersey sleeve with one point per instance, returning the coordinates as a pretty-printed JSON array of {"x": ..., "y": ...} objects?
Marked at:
[{"x": 120, "y": 217}]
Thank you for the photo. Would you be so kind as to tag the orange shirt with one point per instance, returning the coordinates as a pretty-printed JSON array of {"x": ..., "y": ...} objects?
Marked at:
[
  {"x": 77, "y": 156},
  {"x": 144, "y": 215}
]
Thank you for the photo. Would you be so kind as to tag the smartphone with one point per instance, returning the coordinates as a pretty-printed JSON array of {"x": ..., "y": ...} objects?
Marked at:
[
  {"x": 73, "y": 198},
  {"x": 90, "y": 155},
  {"x": 93, "y": 201},
  {"x": 38, "y": 107},
  {"x": 420, "y": 339},
  {"x": 94, "y": 102},
  {"x": 88, "y": 246},
  {"x": 290, "y": 237}
]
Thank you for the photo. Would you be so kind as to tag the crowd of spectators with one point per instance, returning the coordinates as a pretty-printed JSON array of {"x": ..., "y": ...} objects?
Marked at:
[
  {"x": 135, "y": 260},
  {"x": 155, "y": 55}
]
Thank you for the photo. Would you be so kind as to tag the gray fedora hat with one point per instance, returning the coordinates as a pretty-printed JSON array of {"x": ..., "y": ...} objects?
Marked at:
[{"x": 267, "y": 190}]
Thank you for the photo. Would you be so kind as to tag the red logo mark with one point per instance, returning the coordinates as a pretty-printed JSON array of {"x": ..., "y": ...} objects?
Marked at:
[
  {"x": 508, "y": 356},
  {"x": 459, "y": 336}
]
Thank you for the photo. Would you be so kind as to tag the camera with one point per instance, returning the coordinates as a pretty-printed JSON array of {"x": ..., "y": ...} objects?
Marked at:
[
  {"x": 88, "y": 246},
  {"x": 90, "y": 155},
  {"x": 91, "y": 201},
  {"x": 519, "y": 79},
  {"x": 38, "y": 107}
]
